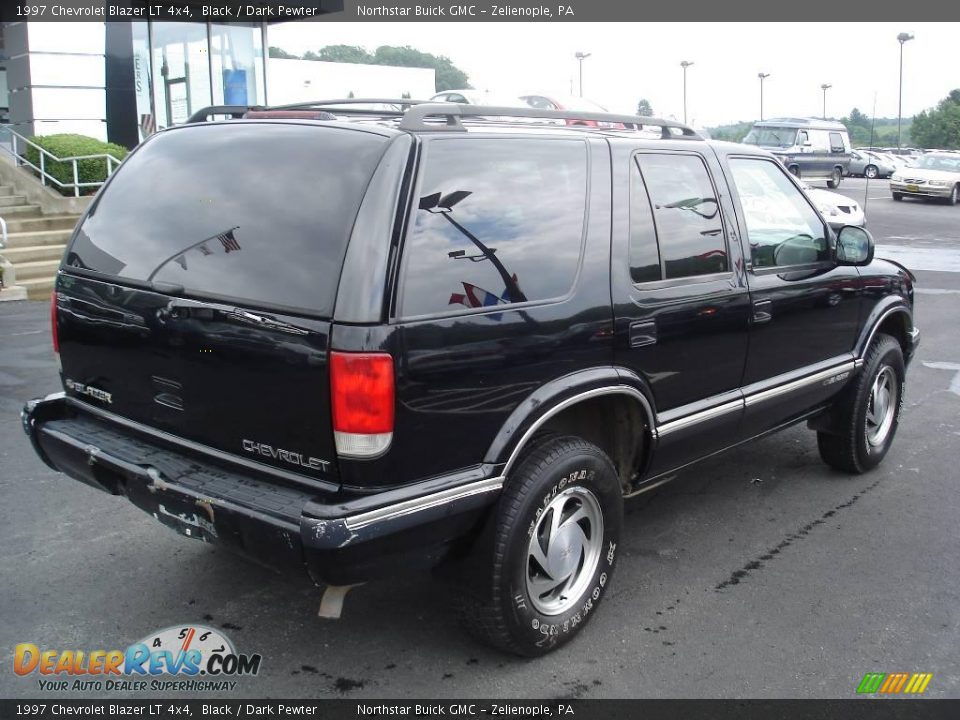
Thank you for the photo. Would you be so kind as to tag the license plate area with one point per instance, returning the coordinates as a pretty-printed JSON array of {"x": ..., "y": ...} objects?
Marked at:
[{"x": 913, "y": 188}]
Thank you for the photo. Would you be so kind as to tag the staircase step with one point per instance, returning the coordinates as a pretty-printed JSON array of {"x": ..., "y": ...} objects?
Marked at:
[
  {"x": 8, "y": 200},
  {"x": 39, "y": 288},
  {"x": 32, "y": 253},
  {"x": 6, "y": 189},
  {"x": 40, "y": 237},
  {"x": 47, "y": 222},
  {"x": 36, "y": 269},
  {"x": 21, "y": 210}
]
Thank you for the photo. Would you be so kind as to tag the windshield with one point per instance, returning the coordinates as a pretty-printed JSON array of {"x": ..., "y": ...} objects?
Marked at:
[
  {"x": 938, "y": 162},
  {"x": 771, "y": 137}
]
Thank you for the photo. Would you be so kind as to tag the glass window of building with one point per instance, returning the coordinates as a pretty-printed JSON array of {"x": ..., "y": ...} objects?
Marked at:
[{"x": 236, "y": 59}]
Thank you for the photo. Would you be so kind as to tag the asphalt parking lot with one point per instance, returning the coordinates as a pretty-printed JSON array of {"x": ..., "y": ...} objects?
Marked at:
[{"x": 865, "y": 577}]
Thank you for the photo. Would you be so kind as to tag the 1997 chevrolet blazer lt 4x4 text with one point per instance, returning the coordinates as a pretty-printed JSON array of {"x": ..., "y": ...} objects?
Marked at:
[{"x": 434, "y": 335}]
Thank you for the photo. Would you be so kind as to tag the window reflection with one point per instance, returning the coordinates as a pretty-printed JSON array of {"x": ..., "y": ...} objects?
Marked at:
[
  {"x": 687, "y": 217},
  {"x": 782, "y": 227},
  {"x": 498, "y": 222}
]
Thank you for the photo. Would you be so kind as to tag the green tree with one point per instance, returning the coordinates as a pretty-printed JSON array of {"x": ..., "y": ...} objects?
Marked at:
[
  {"x": 939, "y": 127},
  {"x": 276, "y": 52},
  {"x": 644, "y": 109},
  {"x": 448, "y": 76},
  {"x": 345, "y": 54}
]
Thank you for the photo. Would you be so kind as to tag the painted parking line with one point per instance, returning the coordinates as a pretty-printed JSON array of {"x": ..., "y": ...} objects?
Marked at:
[
  {"x": 917, "y": 258},
  {"x": 935, "y": 291}
]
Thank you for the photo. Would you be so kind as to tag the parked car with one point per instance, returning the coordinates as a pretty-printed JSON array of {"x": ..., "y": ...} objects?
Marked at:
[
  {"x": 432, "y": 341},
  {"x": 932, "y": 176},
  {"x": 839, "y": 210},
  {"x": 809, "y": 148},
  {"x": 864, "y": 163},
  {"x": 557, "y": 102}
]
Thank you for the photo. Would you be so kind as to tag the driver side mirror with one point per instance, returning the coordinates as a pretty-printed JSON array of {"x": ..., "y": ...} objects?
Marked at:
[{"x": 854, "y": 246}]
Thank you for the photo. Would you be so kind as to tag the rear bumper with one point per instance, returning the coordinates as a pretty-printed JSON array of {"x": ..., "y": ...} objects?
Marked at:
[{"x": 339, "y": 539}]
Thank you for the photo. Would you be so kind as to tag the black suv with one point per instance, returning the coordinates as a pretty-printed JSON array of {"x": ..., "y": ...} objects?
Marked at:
[{"x": 436, "y": 335}]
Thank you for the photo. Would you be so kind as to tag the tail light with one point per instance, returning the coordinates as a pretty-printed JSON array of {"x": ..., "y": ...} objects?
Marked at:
[
  {"x": 362, "y": 397},
  {"x": 53, "y": 322}
]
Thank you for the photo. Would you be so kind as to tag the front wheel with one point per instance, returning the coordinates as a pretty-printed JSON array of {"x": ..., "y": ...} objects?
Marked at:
[
  {"x": 546, "y": 561},
  {"x": 835, "y": 177},
  {"x": 898, "y": 196},
  {"x": 870, "y": 172},
  {"x": 954, "y": 195},
  {"x": 868, "y": 412}
]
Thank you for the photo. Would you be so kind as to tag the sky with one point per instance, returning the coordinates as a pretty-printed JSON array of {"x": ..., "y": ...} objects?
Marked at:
[{"x": 630, "y": 61}]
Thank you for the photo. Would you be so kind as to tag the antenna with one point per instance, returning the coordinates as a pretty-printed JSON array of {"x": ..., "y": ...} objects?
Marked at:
[{"x": 866, "y": 190}]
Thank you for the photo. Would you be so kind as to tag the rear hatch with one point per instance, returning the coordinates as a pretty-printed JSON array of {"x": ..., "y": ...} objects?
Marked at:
[{"x": 197, "y": 293}]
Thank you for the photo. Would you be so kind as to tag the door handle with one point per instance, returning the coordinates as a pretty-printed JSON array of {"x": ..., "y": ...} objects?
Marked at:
[
  {"x": 643, "y": 332},
  {"x": 762, "y": 311}
]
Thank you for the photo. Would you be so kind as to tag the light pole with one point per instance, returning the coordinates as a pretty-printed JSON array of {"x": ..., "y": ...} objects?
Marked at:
[
  {"x": 762, "y": 76},
  {"x": 581, "y": 56},
  {"x": 825, "y": 87},
  {"x": 902, "y": 38},
  {"x": 685, "y": 64}
]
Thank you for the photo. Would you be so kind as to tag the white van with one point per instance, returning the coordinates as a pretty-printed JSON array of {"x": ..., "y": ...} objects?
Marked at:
[{"x": 809, "y": 148}]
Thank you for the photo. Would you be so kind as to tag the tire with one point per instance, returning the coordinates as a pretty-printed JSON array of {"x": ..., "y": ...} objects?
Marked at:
[
  {"x": 870, "y": 171},
  {"x": 794, "y": 170},
  {"x": 866, "y": 418},
  {"x": 510, "y": 599},
  {"x": 835, "y": 178},
  {"x": 954, "y": 195},
  {"x": 898, "y": 196}
]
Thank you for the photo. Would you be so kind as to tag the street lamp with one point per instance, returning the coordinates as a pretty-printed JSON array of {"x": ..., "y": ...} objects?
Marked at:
[
  {"x": 581, "y": 56},
  {"x": 901, "y": 38},
  {"x": 685, "y": 64},
  {"x": 762, "y": 76},
  {"x": 825, "y": 87}
]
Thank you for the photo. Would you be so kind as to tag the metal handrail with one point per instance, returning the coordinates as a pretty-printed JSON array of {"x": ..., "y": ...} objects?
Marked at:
[
  {"x": 46, "y": 177},
  {"x": 3, "y": 233}
]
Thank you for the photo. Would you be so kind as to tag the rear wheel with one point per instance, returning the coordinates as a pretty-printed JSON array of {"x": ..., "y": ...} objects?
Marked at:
[
  {"x": 545, "y": 561},
  {"x": 870, "y": 171},
  {"x": 835, "y": 177},
  {"x": 868, "y": 412}
]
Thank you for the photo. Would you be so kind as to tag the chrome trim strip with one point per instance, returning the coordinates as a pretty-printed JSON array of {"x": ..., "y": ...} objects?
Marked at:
[
  {"x": 597, "y": 392},
  {"x": 789, "y": 387},
  {"x": 408, "y": 507},
  {"x": 702, "y": 416},
  {"x": 886, "y": 313},
  {"x": 304, "y": 481}
]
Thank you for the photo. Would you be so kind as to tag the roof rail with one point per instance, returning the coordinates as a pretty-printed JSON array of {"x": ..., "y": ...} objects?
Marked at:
[
  {"x": 234, "y": 111},
  {"x": 415, "y": 119},
  {"x": 402, "y": 105}
]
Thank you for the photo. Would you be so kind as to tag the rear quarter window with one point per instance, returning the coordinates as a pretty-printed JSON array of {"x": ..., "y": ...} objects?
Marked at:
[
  {"x": 256, "y": 213},
  {"x": 495, "y": 222}
]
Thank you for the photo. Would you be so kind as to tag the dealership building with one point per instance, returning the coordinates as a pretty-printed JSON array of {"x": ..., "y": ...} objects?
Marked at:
[{"x": 120, "y": 81}]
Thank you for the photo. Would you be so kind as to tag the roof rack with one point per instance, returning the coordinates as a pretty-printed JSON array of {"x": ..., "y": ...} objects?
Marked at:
[
  {"x": 415, "y": 119},
  {"x": 402, "y": 105},
  {"x": 414, "y": 115},
  {"x": 234, "y": 111}
]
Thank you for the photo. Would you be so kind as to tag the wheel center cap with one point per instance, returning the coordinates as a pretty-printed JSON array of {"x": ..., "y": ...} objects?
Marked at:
[{"x": 565, "y": 551}]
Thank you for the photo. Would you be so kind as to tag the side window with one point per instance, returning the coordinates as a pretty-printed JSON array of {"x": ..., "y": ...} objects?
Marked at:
[
  {"x": 497, "y": 222},
  {"x": 836, "y": 143},
  {"x": 456, "y": 97},
  {"x": 782, "y": 228},
  {"x": 689, "y": 240}
]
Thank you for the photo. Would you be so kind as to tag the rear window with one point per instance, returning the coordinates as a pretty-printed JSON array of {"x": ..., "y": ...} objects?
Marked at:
[{"x": 258, "y": 213}]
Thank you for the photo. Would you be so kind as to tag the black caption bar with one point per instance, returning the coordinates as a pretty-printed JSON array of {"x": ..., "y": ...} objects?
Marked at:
[
  {"x": 46, "y": 709},
  {"x": 470, "y": 11}
]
